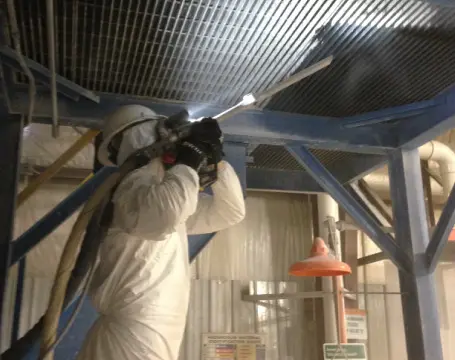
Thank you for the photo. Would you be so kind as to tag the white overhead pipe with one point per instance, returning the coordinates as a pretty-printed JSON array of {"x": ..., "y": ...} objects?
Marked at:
[
  {"x": 379, "y": 182},
  {"x": 445, "y": 157},
  {"x": 434, "y": 151}
]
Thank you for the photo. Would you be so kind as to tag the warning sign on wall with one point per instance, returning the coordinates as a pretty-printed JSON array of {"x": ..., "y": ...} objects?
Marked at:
[
  {"x": 356, "y": 324},
  {"x": 233, "y": 347},
  {"x": 345, "y": 352}
]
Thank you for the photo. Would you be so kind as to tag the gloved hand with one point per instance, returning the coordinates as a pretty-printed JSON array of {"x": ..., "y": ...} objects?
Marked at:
[
  {"x": 202, "y": 149},
  {"x": 207, "y": 131},
  {"x": 191, "y": 153}
]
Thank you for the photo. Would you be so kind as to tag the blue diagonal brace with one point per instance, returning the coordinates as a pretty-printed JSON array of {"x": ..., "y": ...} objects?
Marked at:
[
  {"x": 368, "y": 224},
  {"x": 441, "y": 233},
  {"x": 64, "y": 86},
  {"x": 236, "y": 156},
  {"x": 58, "y": 215}
]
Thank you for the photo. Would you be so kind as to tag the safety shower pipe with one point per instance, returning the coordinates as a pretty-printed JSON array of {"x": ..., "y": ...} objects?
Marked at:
[{"x": 329, "y": 207}]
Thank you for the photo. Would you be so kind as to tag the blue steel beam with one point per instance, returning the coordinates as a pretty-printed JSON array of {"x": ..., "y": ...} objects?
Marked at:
[
  {"x": 58, "y": 215},
  {"x": 68, "y": 88},
  {"x": 236, "y": 156},
  {"x": 10, "y": 140},
  {"x": 419, "y": 301},
  {"x": 418, "y": 130},
  {"x": 440, "y": 236},
  {"x": 368, "y": 224},
  {"x": 254, "y": 126}
]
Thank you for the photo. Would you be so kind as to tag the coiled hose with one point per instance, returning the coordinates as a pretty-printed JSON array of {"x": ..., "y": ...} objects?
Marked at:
[{"x": 93, "y": 208}]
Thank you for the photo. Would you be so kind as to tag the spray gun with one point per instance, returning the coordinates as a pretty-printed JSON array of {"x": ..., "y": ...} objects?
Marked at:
[{"x": 178, "y": 126}]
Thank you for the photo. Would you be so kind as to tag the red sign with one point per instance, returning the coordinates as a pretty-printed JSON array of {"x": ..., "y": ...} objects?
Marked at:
[{"x": 452, "y": 235}]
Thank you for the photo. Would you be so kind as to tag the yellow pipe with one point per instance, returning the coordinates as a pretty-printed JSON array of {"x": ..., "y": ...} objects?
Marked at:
[
  {"x": 86, "y": 179},
  {"x": 56, "y": 166}
]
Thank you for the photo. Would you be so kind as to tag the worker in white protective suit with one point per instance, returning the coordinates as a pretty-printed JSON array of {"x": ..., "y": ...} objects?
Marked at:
[{"x": 142, "y": 284}]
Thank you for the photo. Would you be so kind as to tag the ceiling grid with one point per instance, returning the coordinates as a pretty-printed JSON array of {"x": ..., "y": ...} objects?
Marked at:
[{"x": 387, "y": 52}]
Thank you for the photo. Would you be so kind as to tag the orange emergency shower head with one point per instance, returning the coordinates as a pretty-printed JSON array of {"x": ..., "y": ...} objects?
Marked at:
[{"x": 319, "y": 263}]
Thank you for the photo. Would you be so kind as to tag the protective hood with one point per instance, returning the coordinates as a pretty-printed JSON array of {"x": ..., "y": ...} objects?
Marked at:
[{"x": 136, "y": 138}]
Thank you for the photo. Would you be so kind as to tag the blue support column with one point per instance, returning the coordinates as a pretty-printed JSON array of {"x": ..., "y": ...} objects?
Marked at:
[
  {"x": 236, "y": 156},
  {"x": 420, "y": 307},
  {"x": 440, "y": 236},
  {"x": 368, "y": 224},
  {"x": 10, "y": 140}
]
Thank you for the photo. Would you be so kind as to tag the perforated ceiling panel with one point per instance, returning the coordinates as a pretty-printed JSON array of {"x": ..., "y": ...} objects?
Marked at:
[
  {"x": 387, "y": 52},
  {"x": 340, "y": 164}
]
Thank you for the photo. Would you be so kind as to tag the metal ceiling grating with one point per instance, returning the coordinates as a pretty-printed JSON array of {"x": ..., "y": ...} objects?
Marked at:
[
  {"x": 204, "y": 51},
  {"x": 387, "y": 52}
]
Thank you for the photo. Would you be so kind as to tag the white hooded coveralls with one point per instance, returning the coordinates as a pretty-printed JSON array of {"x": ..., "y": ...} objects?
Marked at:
[{"x": 142, "y": 283}]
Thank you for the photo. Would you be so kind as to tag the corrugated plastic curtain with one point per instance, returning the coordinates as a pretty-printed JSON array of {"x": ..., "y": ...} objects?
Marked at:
[{"x": 276, "y": 232}]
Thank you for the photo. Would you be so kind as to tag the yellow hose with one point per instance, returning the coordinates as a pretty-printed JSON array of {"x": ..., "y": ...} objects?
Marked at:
[
  {"x": 68, "y": 260},
  {"x": 66, "y": 265}
]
